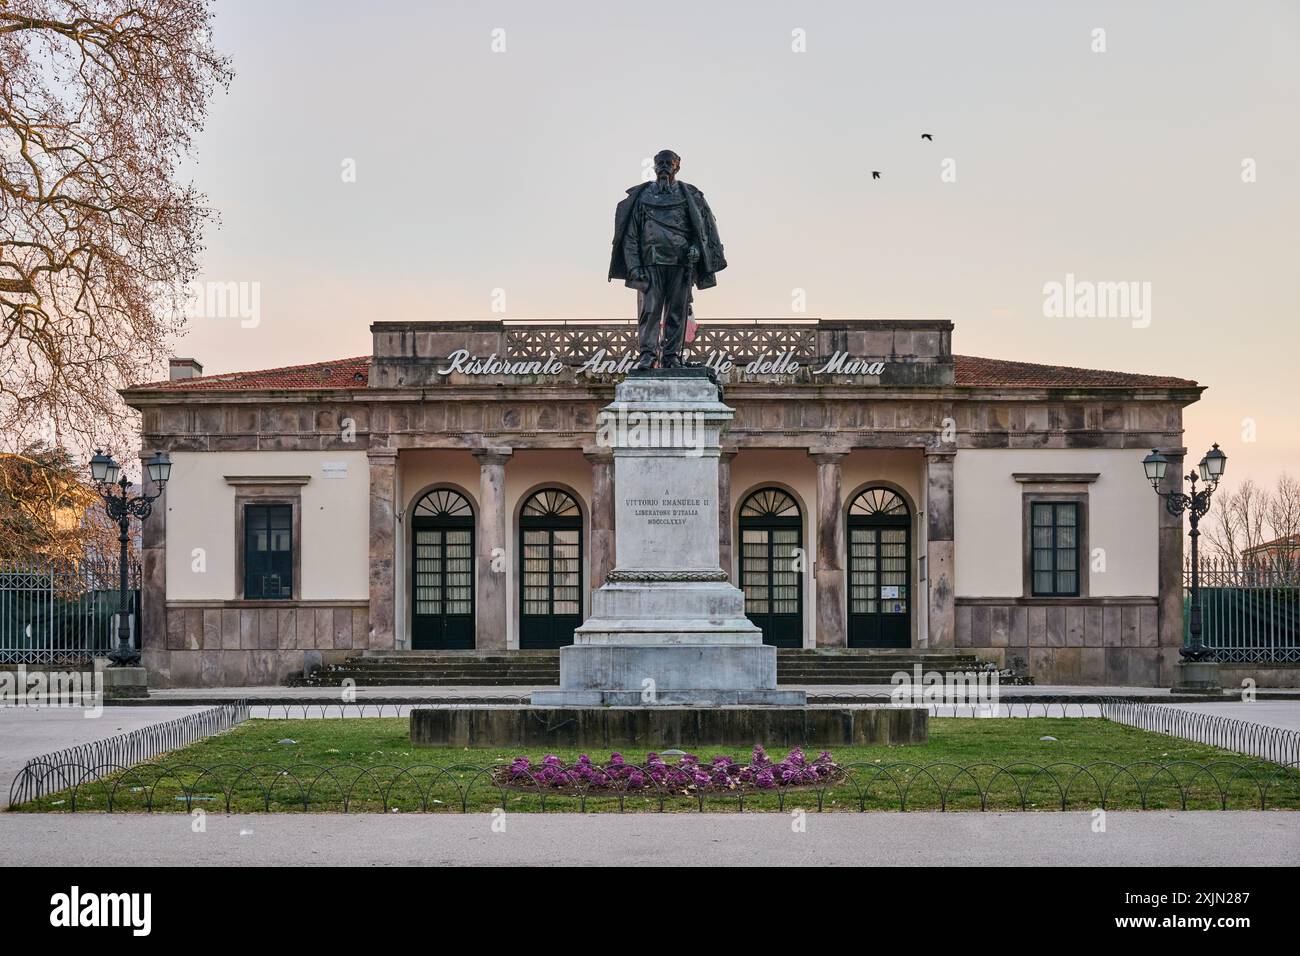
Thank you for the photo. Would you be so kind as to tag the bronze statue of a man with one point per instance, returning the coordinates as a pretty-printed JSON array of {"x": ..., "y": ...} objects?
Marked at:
[{"x": 665, "y": 241}]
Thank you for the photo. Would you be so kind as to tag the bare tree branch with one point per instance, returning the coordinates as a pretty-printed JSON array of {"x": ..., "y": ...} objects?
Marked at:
[{"x": 99, "y": 100}]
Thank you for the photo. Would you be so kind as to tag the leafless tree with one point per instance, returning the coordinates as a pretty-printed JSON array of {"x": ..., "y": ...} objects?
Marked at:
[
  {"x": 1284, "y": 508},
  {"x": 99, "y": 100},
  {"x": 1237, "y": 521},
  {"x": 1248, "y": 517}
]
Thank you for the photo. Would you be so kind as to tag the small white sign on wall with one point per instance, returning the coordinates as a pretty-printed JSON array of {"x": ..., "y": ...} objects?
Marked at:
[{"x": 334, "y": 469}]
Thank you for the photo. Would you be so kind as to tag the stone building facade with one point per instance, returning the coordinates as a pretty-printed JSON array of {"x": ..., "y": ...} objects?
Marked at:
[{"x": 451, "y": 491}]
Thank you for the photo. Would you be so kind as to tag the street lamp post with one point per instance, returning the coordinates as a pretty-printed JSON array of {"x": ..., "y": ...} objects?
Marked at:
[
  {"x": 122, "y": 508},
  {"x": 1196, "y": 504}
]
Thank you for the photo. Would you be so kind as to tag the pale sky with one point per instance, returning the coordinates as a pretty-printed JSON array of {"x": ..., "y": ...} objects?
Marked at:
[{"x": 479, "y": 170}]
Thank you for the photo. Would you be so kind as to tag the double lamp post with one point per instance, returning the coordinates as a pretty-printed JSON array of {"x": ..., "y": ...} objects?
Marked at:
[
  {"x": 122, "y": 507},
  {"x": 1196, "y": 504}
]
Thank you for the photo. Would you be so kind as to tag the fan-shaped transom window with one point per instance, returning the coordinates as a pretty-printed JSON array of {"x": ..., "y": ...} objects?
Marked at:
[
  {"x": 878, "y": 503},
  {"x": 771, "y": 565},
  {"x": 443, "y": 503},
  {"x": 550, "y": 569},
  {"x": 551, "y": 503},
  {"x": 879, "y": 571},
  {"x": 442, "y": 572},
  {"x": 770, "y": 503}
]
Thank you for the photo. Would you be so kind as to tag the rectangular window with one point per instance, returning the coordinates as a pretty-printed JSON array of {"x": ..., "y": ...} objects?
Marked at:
[
  {"x": 268, "y": 552},
  {"x": 1055, "y": 549}
]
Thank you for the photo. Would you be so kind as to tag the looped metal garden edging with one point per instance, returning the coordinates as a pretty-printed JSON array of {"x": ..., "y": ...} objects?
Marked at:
[
  {"x": 903, "y": 786},
  {"x": 126, "y": 749},
  {"x": 73, "y": 768}
]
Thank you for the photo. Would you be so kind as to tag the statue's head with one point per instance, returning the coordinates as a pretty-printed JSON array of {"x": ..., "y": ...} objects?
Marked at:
[{"x": 667, "y": 163}]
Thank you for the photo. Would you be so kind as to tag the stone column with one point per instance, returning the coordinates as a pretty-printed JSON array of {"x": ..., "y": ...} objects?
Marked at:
[
  {"x": 940, "y": 553},
  {"x": 1169, "y": 567},
  {"x": 153, "y": 568},
  {"x": 724, "y": 511},
  {"x": 601, "y": 549},
  {"x": 491, "y": 607},
  {"x": 832, "y": 630},
  {"x": 383, "y": 548}
]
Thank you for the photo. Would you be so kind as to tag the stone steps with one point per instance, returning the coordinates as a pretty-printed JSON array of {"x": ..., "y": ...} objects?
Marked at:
[
  {"x": 855, "y": 666},
  {"x": 542, "y": 668},
  {"x": 445, "y": 669}
]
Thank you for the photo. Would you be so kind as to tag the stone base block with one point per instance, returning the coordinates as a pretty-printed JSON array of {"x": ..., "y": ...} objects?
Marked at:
[
  {"x": 691, "y": 697},
  {"x": 122, "y": 682},
  {"x": 660, "y": 631},
  {"x": 1197, "y": 676},
  {"x": 661, "y": 728},
  {"x": 656, "y": 671},
  {"x": 669, "y": 601}
]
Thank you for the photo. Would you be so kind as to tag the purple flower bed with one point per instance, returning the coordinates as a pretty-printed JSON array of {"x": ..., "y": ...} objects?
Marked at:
[{"x": 688, "y": 775}]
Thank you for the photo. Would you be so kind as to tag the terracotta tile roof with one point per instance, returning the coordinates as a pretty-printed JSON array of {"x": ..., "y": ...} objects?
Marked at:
[
  {"x": 340, "y": 373},
  {"x": 998, "y": 373},
  {"x": 970, "y": 372}
]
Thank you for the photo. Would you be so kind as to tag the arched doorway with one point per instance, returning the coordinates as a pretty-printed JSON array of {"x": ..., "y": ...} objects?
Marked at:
[
  {"x": 771, "y": 565},
  {"x": 880, "y": 556},
  {"x": 442, "y": 572},
  {"x": 550, "y": 569}
]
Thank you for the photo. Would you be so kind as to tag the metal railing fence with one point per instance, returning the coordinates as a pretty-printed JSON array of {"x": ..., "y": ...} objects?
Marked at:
[
  {"x": 54, "y": 612},
  {"x": 1250, "y": 611}
]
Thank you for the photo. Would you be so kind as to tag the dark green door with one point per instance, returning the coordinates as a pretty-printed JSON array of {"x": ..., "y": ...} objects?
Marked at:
[
  {"x": 880, "y": 556},
  {"x": 550, "y": 570},
  {"x": 771, "y": 565},
  {"x": 442, "y": 573}
]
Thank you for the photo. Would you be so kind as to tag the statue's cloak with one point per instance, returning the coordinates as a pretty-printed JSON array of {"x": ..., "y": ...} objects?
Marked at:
[{"x": 711, "y": 259}]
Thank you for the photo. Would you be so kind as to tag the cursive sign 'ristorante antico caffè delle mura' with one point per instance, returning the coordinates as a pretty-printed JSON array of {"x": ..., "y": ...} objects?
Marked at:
[{"x": 602, "y": 363}]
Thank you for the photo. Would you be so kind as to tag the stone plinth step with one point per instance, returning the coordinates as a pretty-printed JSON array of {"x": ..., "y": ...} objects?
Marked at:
[{"x": 694, "y": 697}]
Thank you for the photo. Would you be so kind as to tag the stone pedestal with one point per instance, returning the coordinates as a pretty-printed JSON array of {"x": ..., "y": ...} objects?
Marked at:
[
  {"x": 666, "y": 628},
  {"x": 125, "y": 682},
  {"x": 1197, "y": 677}
]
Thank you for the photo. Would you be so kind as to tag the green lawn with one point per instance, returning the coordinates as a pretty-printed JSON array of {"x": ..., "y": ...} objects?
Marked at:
[{"x": 369, "y": 763}]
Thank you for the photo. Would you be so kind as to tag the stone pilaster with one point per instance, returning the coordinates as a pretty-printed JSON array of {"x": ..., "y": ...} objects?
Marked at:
[
  {"x": 153, "y": 567},
  {"x": 832, "y": 630},
  {"x": 601, "y": 548},
  {"x": 1170, "y": 556},
  {"x": 383, "y": 549},
  {"x": 725, "y": 557},
  {"x": 491, "y": 607},
  {"x": 940, "y": 553}
]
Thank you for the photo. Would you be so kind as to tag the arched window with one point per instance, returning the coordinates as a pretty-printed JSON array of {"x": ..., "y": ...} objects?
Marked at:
[
  {"x": 771, "y": 565},
  {"x": 880, "y": 556},
  {"x": 442, "y": 572},
  {"x": 550, "y": 569}
]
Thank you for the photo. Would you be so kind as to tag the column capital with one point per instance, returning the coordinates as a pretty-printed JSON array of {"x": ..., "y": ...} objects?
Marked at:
[
  {"x": 827, "y": 455},
  {"x": 727, "y": 453},
  {"x": 941, "y": 453},
  {"x": 597, "y": 453},
  {"x": 493, "y": 454},
  {"x": 380, "y": 454}
]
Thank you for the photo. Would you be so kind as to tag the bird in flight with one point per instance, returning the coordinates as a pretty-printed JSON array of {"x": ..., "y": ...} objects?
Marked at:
[
  {"x": 875, "y": 174},
  {"x": 927, "y": 136}
]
